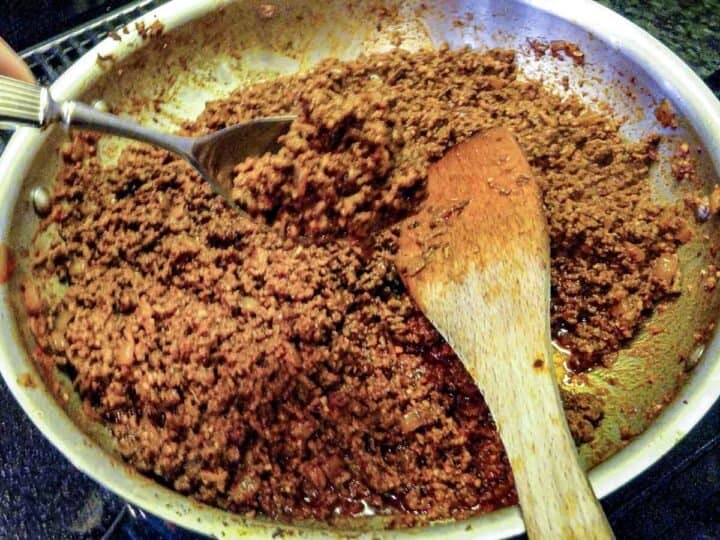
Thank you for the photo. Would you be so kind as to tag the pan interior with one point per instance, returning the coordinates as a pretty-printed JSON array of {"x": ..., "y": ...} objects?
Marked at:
[{"x": 170, "y": 78}]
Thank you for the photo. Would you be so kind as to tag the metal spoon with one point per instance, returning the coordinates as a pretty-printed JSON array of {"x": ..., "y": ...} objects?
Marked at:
[{"x": 213, "y": 155}]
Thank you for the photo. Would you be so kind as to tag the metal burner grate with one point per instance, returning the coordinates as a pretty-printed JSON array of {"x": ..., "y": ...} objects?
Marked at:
[{"x": 49, "y": 59}]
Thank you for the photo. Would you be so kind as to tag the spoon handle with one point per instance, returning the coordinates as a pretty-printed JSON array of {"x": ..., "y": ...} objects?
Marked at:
[
  {"x": 27, "y": 104},
  {"x": 78, "y": 115}
]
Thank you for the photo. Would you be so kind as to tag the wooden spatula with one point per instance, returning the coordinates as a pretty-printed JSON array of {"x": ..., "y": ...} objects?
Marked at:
[{"x": 476, "y": 259}]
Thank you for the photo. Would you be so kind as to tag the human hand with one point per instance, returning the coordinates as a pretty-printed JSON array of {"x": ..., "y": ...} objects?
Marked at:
[{"x": 12, "y": 65}]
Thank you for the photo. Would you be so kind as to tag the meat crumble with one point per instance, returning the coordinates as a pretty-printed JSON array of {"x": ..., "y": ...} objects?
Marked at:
[{"x": 264, "y": 374}]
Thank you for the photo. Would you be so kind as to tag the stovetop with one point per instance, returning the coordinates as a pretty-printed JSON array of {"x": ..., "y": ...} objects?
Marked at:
[{"x": 43, "y": 496}]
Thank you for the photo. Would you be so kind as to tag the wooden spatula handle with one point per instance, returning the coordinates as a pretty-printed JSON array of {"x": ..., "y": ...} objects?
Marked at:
[
  {"x": 555, "y": 495},
  {"x": 556, "y": 499}
]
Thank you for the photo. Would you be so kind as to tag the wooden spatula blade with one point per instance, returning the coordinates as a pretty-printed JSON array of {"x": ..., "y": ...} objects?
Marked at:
[
  {"x": 487, "y": 181},
  {"x": 483, "y": 216},
  {"x": 476, "y": 258}
]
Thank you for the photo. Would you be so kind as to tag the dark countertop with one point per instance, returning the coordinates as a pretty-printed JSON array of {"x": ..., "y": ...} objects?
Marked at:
[
  {"x": 691, "y": 28},
  {"x": 43, "y": 496}
]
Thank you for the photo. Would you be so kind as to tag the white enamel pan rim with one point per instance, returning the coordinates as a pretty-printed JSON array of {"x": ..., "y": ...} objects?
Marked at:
[{"x": 677, "y": 80}]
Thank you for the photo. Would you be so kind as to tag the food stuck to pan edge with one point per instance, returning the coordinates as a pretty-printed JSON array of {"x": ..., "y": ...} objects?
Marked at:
[{"x": 241, "y": 364}]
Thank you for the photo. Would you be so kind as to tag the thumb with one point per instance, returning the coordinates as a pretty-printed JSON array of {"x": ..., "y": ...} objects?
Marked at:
[{"x": 12, "y": 65}]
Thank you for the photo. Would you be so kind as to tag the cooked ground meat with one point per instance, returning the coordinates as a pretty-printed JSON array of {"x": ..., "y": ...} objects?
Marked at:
[
  {"x": 297, "y": 379},
  {"x": 607, "y": 235},
  {"x": 343, "y": 167},
  {"x": 584, "y": 413},
  {"x": 684, "y": 166},
  {"x": 665, "y": 114}
]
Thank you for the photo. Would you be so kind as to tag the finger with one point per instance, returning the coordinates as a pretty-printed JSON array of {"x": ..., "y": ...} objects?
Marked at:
[{"x": 12, "y": 65}]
